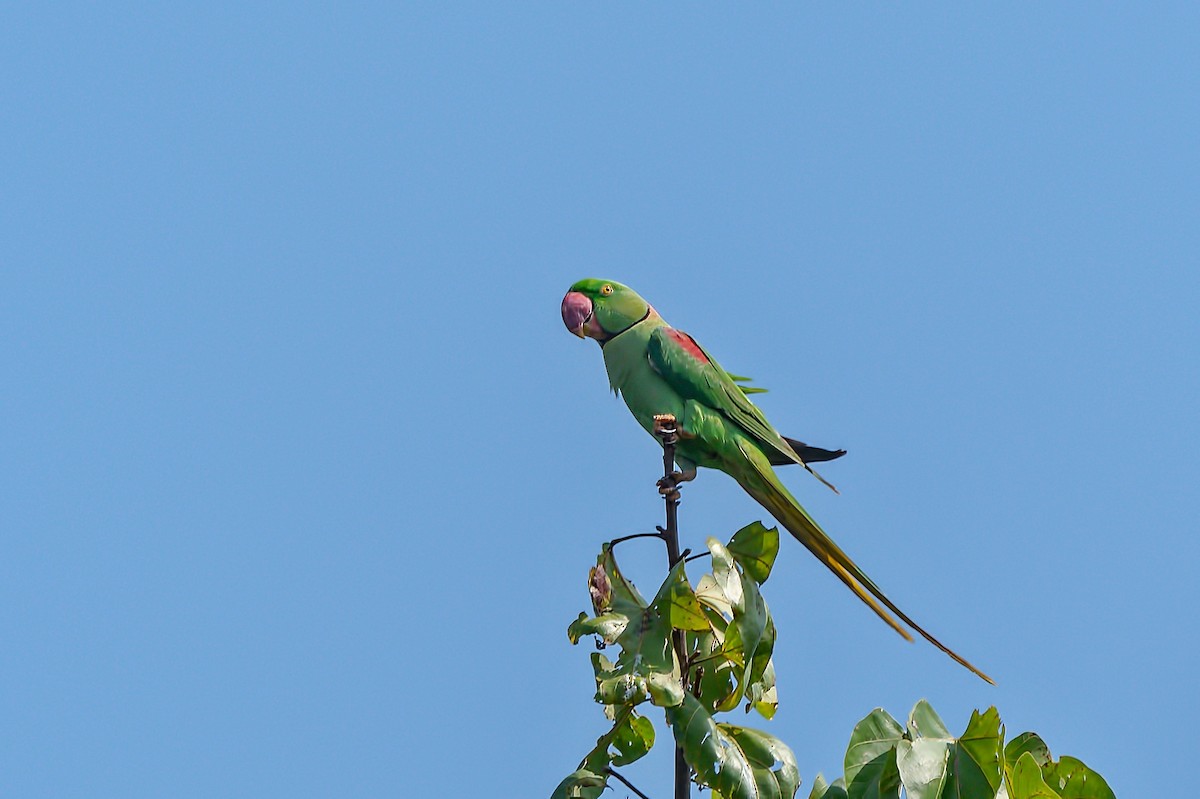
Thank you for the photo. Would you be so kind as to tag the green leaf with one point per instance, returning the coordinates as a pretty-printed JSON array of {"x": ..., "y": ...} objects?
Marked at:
[
  {"x": 824, "y": 790},
  {"x": 773, "y": 762},
  {"x": 679, "y": 602},
  {"x": 737, "y": 762},
  {"x": 1027, "y": 742},
  {"x": 933, "y": 765},
  {"x": 924, "y": 722},
  {"x": 1027, "y": 781},
  {"x": 632, "y": 740},
  {"x": 871, "y": 771},
  {"x": 608, "y": 626},
  {"x": 974, "y": 764},
  {"x": 755, "y": 547},
  {"x": 1068, "y": 777},
  {"x": 631, "y": 736},
  {"x": 1073, "y": 780},
  {"x": 581, "y": 784},
  {"x": 922, "y": 766},
  {"x": 923, "y": 757}
]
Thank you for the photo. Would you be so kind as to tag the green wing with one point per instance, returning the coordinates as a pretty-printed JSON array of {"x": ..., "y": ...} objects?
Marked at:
[{"x": 692, "y": 372}]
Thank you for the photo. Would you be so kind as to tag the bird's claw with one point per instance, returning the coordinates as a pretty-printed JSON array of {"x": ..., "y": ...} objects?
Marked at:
[{"x": 668, "y": 485}]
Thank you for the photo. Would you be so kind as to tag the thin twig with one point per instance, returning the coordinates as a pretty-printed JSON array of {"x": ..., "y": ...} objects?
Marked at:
[
  {"x": 616, "y": 541},
  {"x": 720, "y": 653},
  {"x": 628, "y": 784}
]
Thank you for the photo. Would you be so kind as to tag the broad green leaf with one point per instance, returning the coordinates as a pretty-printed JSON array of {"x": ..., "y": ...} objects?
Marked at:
[
  {"x": 737, "y": 762},
  {"x": 974, "y": 764},
  {"x": 924, "y": 722},
  {"x": 679, "y": 602},
  {"x": 824, "y": 790},
  {"x": 922, "y": 758},
  {"x": 1026, "y": 742},
  {"x": 1068, "y": 777},
  {"x": 773, "y": 762},
  {"x": 1073, "y": 780},
  {"x": 581, "y": 784},
  {"x": 871, "y": 771},
  {"x": 755, "y": 547},
  {"x": 922, "y": 766},
  {"x": 1027, "y": 782}
]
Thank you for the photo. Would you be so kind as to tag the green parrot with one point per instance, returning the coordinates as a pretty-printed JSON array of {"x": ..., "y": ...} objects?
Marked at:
[{"x": 660, "y": 370}]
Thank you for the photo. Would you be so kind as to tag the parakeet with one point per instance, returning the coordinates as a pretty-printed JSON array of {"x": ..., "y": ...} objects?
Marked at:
[{"x": 657, "y": 370}]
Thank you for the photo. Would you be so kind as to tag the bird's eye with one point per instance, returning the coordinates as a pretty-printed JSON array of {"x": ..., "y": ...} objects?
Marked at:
[{"x": 606, "y": 289}]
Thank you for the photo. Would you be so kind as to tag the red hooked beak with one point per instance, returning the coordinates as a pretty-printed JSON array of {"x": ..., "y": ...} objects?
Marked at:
[{"x": 576, "y": 312}]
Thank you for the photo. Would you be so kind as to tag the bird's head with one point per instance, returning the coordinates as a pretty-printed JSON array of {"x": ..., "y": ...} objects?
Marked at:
[{"x": 601, "y": 309}]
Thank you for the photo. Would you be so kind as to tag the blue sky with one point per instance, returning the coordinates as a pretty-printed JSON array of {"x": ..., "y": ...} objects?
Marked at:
[{"x": 302, "y": 474}]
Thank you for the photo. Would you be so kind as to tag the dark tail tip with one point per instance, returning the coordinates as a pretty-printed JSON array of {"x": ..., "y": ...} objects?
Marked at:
[{"x": 813, "y": 454}]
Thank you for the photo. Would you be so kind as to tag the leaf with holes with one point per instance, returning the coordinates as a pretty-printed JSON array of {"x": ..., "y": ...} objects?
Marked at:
[
  {"x": 755, "y": 547},
  {"x": 631, "y": 737}
]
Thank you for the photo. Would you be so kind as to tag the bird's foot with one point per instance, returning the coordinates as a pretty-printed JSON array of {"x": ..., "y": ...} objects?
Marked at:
[{"x": 668, "y": 485}]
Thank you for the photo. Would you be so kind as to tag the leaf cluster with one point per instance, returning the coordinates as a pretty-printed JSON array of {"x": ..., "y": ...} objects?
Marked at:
[
  {"x": 695, "y": 651},
  {"x": 922, "y": 760},
  {"x": 701, "y": 651}
]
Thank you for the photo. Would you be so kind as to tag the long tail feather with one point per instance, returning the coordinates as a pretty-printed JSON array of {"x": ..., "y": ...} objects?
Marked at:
[
  {"x": 817, "y": 475},
  {"x": 764, "y": 486}
]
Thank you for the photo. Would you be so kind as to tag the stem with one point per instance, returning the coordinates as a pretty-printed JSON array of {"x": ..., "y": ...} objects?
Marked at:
[
  {"x": 624, "y": 538},
  {"x": 628, "y": 784},
  {"x": 667, "y": 431}
]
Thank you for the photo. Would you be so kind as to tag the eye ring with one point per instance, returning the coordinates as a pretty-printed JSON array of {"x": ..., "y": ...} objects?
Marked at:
[{"x": 606, "y": 289}]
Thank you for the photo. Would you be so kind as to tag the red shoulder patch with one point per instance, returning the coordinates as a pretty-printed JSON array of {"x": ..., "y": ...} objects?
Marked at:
[{"x": 689, "y": 345}]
